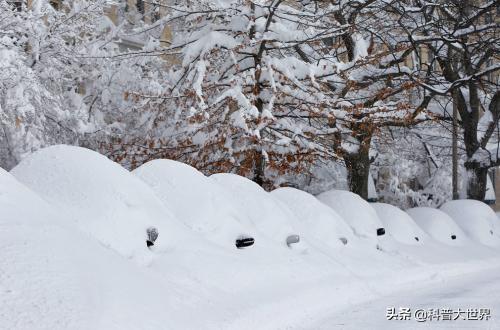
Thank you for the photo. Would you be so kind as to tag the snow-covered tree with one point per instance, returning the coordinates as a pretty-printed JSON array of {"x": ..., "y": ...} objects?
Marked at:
[
  {"x": 242, "y": 100},
  {"x": 372, "y": 83},
  {"x": 45, "y": 62},
  {"x": 456, "y": 44}
]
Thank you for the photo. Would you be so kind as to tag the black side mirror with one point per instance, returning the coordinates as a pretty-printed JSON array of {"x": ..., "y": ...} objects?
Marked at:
[
  {"x": 292, "y": 239},
  {"x": 244, "y": 242},
  {"x": 380, "y": 231}
]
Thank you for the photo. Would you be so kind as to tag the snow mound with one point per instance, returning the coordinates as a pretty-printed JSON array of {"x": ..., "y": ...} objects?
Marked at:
[
  {"x": 53, "y": 276},
  {"x": 101, "y": 197},
  {"x": 14, "y": 199},
  {"x": 196, "y": 200},
  {"x": 475, "y": 218},
  {"x": 399, "y": 224},
  {"x": 357, "y": 212},
  {"x": 268, "y": 215},
  {"x": 438, "y": 225},
  {"x": 317, "y": 221}
]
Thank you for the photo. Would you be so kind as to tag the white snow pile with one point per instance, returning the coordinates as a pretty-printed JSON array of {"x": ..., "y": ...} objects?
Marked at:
[
  {"x": 73, "y": 251},
  {"x": 399, "y": 224},
  {"x": 53, "y": 276},
  {"x": 195, "y": 199},
  {"x": 475, "y": 218},
  {"x": 101, "y": 198},
  {"x": 356, "y": 211},
  {"x": 315, "y": 220},
  {"x": 273, "y": 220},
  {"x": 438, "y": 225},
  {"x": 14, "y": 197}
]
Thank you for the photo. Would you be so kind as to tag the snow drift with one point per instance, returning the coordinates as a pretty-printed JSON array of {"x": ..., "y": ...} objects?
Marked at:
[
  {"x": 196, "y": 200},
  {"x": 315, "y": 220},
  {"x": 475, "y": 218},
  {"x": 102, "y": 198},
  {"x": 438, "y": 225},
  {"x": 269, "y": 216},
  {"x": 55, "y": 275},
  {"x": 399, "y": 224},
  {"x": 357, "y": 212}
]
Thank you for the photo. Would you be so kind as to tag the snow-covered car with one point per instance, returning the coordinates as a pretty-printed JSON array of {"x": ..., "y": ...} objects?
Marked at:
[
  {"x": 272, "y": 218},
  {"x": 102, "y": 199},
  {"x": 316, "y": 221},
  {"x": 399, "y": 224},
  {"x": 475, "y": 218},
  {"x": 197, "y": 201},
  {"x": 357, "y": 212},
  {"x": 438, "y": 225},
  {"x": 18, "y": 203}
]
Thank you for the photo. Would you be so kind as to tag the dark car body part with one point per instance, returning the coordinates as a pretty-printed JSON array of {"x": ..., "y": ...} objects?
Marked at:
[
  {"x": 152, "y": 233},
  {"x": 292, "y": 239},
  {"x": 244, "y": 242}
]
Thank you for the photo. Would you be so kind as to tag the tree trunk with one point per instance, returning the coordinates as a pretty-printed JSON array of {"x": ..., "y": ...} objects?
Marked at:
[
  {"x": 477, "y": 180},
  {"x": 358, "y": 169},
  {"x": 258, "y": 168}
]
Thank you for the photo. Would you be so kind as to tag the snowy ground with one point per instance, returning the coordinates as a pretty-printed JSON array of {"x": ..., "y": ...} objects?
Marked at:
[
  {"x": 473, "y": 291},
  {"x": 73, "y": 254}
]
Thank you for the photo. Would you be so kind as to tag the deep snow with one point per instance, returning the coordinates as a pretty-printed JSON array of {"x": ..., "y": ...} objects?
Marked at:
[
  {"x": 400, "y": 225},
  {"x": 475, "y": 218},
  {"x": 438, "y": 225},
  {"x": 73, "y": 254},
  {"x": 197, "y": 201}
]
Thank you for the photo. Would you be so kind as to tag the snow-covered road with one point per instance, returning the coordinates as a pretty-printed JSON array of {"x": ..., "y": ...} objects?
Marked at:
[{"x": 473, "y": 291}]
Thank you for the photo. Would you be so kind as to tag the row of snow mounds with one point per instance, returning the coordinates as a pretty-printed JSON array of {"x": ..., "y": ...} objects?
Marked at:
[
  {"x": 457, "y": 223},
  {"x": 476, "y": 219},
  {"x": 53, "y": 276},
  {"x": 223, "y": 206},
  {"x": 199, "y": 202},
  {"x": 102, "y": 199},
  {"x": 438, "y": 225}
]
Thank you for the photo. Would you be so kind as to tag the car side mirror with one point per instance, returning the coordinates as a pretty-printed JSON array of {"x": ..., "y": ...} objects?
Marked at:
[
  {"x": 244, "y": 242},
  {"x": 292, "y": 239},
  {"x": 152, "y": 234}
]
